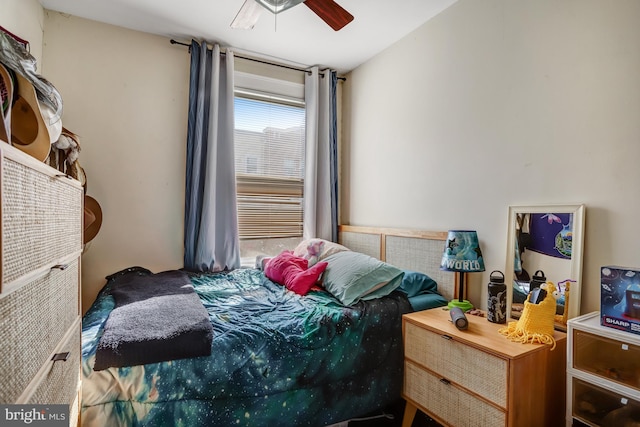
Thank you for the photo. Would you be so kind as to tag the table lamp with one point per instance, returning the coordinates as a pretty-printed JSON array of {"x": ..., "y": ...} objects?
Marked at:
[{"x": 462, "y": 254}]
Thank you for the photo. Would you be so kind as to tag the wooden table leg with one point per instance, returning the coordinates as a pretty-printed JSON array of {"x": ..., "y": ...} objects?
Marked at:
[{"x": 409, "y": 414}]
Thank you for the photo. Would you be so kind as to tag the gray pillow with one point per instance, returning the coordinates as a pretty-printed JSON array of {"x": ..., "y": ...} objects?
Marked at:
[{"x": 353, "y": 276}]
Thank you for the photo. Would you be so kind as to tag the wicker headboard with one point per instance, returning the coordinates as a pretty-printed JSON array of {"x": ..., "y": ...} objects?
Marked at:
[{"x": 406, "y": 249}]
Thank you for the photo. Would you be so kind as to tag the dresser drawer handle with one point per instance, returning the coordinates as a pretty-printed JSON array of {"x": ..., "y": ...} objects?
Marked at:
[
  {"x": 60, "y": 267},
  {"x": 62, "y": 175},
  {"x": 60, "y": 356},
  {"x": 446, "y": 337},
  {"x": 445, "y": 381}
]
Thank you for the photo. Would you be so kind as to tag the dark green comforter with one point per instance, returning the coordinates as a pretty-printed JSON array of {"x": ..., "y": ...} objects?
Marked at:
[{"x": 278, "y": 359}]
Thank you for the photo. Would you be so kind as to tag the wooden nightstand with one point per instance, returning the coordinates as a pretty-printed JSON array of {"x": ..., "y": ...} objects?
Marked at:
[{"x": 477, "y": 377}]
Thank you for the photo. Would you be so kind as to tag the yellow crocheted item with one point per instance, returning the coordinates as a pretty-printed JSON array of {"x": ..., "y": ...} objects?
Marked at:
[{"x": 536, "y": 322}]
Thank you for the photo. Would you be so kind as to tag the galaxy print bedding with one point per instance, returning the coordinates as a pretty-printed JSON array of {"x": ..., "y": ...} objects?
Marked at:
[{"x": 277, "y": 359}]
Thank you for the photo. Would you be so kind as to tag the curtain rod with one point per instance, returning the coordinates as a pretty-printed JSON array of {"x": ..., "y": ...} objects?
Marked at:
[{"x": 172, "y": 41}]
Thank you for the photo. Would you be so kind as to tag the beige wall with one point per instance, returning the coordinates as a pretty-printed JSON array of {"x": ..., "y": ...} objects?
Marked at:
[
  {"x": 496, "y": 103},
  {"x": 125, "y": 94},
  {"x": 25, "y": 19},
  {"x": 490, "y": 104}
]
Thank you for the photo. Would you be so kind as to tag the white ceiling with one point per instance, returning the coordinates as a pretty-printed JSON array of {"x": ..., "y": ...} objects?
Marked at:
[{"x": 297, "y": 36}]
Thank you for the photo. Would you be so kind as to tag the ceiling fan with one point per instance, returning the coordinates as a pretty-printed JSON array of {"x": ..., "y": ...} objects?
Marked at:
[{"x": 328, "y": 10}]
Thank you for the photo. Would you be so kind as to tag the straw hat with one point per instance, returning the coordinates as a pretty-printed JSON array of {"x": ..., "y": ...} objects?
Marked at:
[
  {"x": 31, "y": 130},
  {"x": 92, "y": 218}
]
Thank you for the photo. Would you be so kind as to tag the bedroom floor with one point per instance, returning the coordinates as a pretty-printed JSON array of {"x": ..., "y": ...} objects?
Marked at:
[{"x": 393, "y": 418}]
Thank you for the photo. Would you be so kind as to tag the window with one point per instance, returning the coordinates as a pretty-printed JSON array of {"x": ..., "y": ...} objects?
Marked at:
[
  {"x": 252, "y": 165},
  {"x": 269, "y": 161}
]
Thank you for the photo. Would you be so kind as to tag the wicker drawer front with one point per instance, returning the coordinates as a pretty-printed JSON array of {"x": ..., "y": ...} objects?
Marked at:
[
  {"x": 60, "y": 385},
  {"x": 448, "y": 402},
  {"x": 41, "y": 219},
  {"x": 33, "y": 321},
  {"x": 477, "y": 371}
]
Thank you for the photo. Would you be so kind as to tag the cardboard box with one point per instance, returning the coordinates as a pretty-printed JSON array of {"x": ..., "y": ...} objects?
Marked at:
[{"x": 620, "y": 298}]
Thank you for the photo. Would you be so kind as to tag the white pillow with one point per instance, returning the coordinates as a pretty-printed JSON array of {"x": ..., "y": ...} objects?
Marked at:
[{"x": 314, "y": 250}]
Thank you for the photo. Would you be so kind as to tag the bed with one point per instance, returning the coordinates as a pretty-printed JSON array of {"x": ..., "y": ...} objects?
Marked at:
[{"x": 276, "y": 357}]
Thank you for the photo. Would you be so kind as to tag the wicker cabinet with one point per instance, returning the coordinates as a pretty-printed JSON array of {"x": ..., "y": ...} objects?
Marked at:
[
  {"x": 603, "y": 376},
  {"x": 477, "y": 377},
  {"x": 41, "y": 244}
]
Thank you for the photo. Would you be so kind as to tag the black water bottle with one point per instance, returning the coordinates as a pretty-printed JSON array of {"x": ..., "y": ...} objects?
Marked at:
[
  {"x": 538, "y": 279},
  {"x": 497, "y": 303}
]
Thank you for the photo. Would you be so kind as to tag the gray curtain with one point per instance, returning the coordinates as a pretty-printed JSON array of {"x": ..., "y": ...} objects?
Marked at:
[
  {"x": 211, "y": 241},
  {"x": 321, "y": 171},
  {"x": 332, "y": 77}
]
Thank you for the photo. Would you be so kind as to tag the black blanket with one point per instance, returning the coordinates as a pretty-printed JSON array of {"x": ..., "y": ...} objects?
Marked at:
[{"x": 157, "y": 317}]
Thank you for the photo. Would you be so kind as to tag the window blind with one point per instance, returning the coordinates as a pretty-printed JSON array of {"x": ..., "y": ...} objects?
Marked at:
[{"x": 269, "y": 161}]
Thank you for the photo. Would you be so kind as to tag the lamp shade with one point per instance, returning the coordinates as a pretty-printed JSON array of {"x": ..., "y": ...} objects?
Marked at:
[{"x": 462, "y": 252}]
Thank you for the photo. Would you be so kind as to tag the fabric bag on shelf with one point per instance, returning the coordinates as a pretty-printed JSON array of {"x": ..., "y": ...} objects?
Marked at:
[
  {"x": 14, "y": 55},
  {"x": 536, "y": 324}
]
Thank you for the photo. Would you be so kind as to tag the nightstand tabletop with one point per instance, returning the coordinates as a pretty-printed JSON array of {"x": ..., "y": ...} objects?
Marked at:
[{"x": 480, "y": 333}]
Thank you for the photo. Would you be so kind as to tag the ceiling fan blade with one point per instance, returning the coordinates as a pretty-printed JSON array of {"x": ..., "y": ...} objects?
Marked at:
[
  {"x": 330, "y": 12},
  {"x": 247, "y": 15}
]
